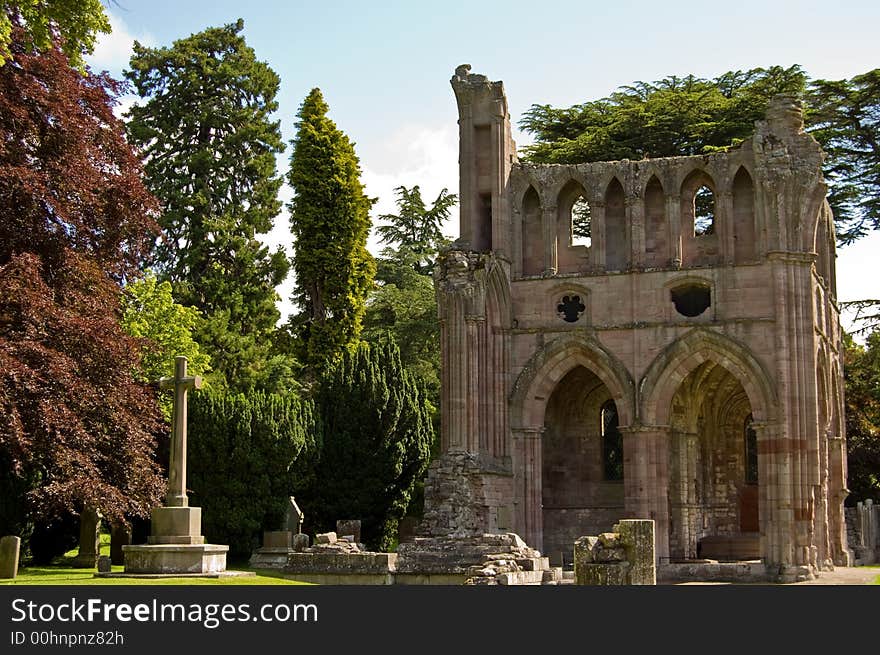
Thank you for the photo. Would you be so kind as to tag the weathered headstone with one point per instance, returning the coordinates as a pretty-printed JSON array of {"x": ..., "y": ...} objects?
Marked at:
[
  {"x": 89, "y": 539},
  {"x": 120, "y": 535},
  {"x": 104, "y": 564},
  {"x": 9, "y": 551},
  {"x": 300, "y": 542},
  {"x": 293, "y": 517},
  {"x": 349, "y": 528}
]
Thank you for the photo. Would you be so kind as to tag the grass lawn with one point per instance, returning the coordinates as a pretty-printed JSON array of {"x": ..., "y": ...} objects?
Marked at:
[{"x": 60, "y": 572}]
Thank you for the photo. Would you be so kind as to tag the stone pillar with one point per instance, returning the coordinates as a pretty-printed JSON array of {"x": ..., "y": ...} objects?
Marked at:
[
  {"x": 635, "y": 220},
  {"x": 89, "y": 539},
  {"x": 673, "y": 220},
  {"x": 120, "y": 535},
  {"x": 638, "y": 538},
  {"x": 527, "y": 467},
  {"x": 10, "y": 548},
  {"x": 646, "y": 480},
  {"x": 724, "y": 223},
  {"x": 597, "y": 225},
  {"x": 551, "y": 254}
]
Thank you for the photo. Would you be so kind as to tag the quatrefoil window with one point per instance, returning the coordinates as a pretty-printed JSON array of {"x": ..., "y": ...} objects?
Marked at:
[{"x": 571, "y": 308}]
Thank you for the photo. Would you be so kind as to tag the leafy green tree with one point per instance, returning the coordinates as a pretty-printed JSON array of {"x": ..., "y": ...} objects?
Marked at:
[
  {"x": 329, "y": 219},
  {"x": 376, "y": 446},
  {"x": 844, "y": 116},
  {"x": 403, "y": 309},
  {"x": 862, "y": 399},
  {"x": 247, "y": 454},
  {"x": 166, "y": 328},
  {"x": 673, "y": 116},
  {"x": 417, "y": 228},
  {"x": 209, "y": 146},
  {"x": 77, "y": 22},
  {"x": 690, "y": 115}
]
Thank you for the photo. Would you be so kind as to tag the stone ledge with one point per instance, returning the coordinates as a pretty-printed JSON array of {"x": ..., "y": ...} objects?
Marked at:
[{"x": 171, "y": 558}]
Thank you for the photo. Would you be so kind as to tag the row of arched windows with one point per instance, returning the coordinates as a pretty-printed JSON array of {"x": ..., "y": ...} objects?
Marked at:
[{"x": 578, "y": 231}]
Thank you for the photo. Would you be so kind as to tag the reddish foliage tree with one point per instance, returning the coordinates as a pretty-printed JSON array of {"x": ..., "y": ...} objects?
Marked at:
[{"x": 75, "y": 221}]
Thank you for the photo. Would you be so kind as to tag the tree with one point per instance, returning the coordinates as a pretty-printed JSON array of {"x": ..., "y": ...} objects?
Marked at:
[
  {"x": 249, "y": 453},
  {"x": 403, "y": 309},
  {"x": 166, "y": 330},
  {"x": 75, "y": 221},
  {"x": 417, "y": 228},
  {"x": 73, "y": 23},
  {"x": 329, "y": 219},
  {"x": 689, "y": 115},
  {"x": 210, "y": 146},
  {"x": 376, "y": 443},
  {"x": 844, "y": 116},
  {"x": 862, "y": 398}
]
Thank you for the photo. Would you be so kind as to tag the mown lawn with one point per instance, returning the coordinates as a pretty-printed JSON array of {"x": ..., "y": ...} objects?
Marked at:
[{"x": 60, "y": 572}]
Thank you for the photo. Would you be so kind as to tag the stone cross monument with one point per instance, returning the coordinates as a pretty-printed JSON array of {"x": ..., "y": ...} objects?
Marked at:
[
  {"x": 176, "y": 496},
  {"x": 176, "y": 544}
]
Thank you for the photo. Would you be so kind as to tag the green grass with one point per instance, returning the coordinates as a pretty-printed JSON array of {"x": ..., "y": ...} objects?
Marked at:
[{"x": 61, "y": 572}]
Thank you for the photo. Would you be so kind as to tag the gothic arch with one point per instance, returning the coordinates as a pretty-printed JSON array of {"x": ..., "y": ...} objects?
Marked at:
[
  {"x": 552, "y": 362},
  {"x": 672, "y": 365}
]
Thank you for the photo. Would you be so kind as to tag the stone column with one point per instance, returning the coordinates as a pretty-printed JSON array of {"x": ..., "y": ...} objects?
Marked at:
[
  {"x": 635, "y": 220},
  {"x": 551, "y": 254},
  {"x": 646, "y": 479},
  {"x": 527, "y": 467},
  {"x": 597, "y": 229},
  {"x": 724, "y": 223},
  {"x": 673, "y": 220}
]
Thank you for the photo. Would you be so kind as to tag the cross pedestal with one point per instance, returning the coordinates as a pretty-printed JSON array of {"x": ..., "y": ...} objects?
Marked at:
[{"x": 176, "y": 544}]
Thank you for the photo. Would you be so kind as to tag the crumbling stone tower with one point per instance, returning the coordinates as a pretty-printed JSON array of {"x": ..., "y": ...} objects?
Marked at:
[{"x": 683, "y": 363}]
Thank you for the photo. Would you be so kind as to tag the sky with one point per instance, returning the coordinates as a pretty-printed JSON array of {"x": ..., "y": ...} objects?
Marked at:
[{"x": 384, "y": 69}]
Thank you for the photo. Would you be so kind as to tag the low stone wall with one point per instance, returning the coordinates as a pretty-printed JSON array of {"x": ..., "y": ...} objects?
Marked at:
[
  {"x": 622, "y": 557},
  {"x": 863, "y": 532}
]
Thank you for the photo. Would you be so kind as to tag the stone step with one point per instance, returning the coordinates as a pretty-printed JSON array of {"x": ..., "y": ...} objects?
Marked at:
[
  {"x": 533, "y": 563},
  {"x": 520, "y": 578}
]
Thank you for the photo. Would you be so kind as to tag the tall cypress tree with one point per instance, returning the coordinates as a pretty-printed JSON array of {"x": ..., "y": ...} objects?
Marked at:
[
  {"x": 210, "y": 146},
  {"x": 329, "y": 219}
]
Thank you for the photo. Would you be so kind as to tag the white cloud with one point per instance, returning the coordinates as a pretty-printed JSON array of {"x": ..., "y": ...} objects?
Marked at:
[
  {"x": 414, "y": 155},
  {"x": 113, "y": 51}
]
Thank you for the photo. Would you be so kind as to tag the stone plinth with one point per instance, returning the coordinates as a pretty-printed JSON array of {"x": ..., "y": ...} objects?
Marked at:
[
  {"x": 622, "y": 557},
  {"x": 176, "y": 525},
  {"x": 175, "y": 558},
  {"x": 175, "y": 545},
  {"x": 9, "y": 552}
]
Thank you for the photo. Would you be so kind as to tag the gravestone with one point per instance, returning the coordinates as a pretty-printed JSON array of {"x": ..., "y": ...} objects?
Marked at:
[
  {"x": 176, "y": 544},
  {"x": 104, "y": 564},
  {"x": 120, "y": 535},
  {"x": 300, "y": 542},
  {"x": 293, "y": 518},
  {"x": 349, "y": 528},
  {"x": 89, "y": 539},
  {"x": 9, "y": 551}
]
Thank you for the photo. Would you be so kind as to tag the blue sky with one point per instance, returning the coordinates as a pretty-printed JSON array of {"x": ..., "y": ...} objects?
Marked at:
[{"x": 384, "y": 67}]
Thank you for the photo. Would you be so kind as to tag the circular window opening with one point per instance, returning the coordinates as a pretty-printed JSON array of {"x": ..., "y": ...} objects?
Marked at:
[
  {"x": 571, "y": 308},
  {"x": 691, "y": 299}
]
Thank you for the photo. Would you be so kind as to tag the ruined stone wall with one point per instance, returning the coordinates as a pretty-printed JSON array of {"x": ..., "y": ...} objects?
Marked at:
[{"x": 733, "y": 312}]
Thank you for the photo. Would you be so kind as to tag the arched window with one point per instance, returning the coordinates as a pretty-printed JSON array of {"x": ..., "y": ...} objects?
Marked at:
[
  {"x": 704, "y": 212},
  {"x": 612, "y": 443},
  {"x": 751, "y": 445},
  {"x": 581, "y": 234}
]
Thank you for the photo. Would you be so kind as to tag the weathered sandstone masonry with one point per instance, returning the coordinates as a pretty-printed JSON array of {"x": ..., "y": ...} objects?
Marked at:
[{"x": 682, "y": 364}]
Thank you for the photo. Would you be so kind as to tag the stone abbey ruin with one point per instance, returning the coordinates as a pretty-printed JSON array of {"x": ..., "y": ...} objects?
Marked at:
[{"x": 682, "y": 364}]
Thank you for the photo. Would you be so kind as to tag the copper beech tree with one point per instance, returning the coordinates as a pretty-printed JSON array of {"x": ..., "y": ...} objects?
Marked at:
[{"x": 75, "y": 223}]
